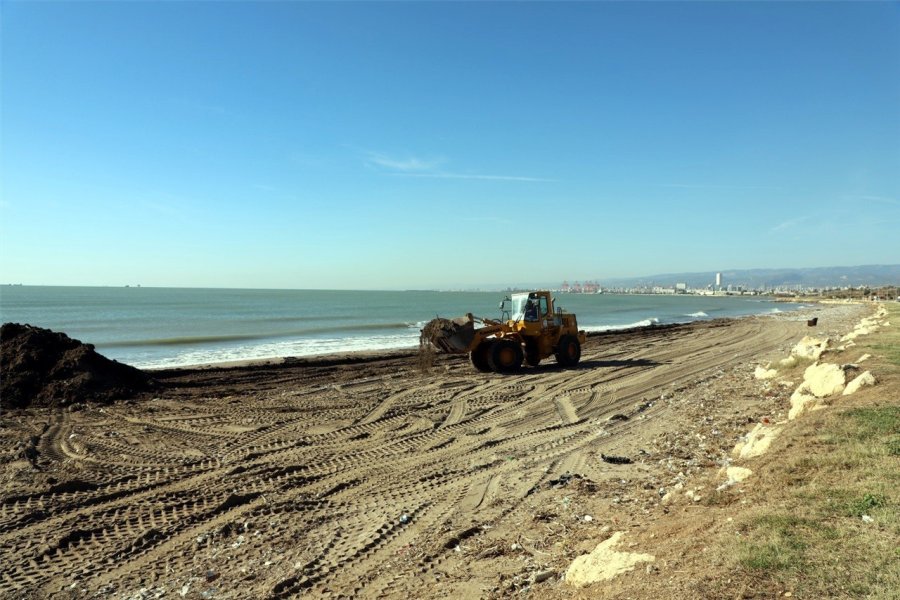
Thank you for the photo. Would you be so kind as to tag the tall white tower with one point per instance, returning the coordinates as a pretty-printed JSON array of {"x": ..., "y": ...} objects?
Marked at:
[{"x": 718, "y": 280}]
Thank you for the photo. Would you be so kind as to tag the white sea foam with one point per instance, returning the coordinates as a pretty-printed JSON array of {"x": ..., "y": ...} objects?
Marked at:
[
  {"x": 644, "y": 323},
  {"x": 697, "y": 314},
  {"x": 282, "y": 349}
]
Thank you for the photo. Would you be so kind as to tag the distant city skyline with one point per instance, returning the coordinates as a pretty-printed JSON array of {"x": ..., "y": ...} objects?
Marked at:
[{"x": 381, "y": 145}]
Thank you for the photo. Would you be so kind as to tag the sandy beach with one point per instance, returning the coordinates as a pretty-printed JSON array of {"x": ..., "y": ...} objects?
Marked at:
[{"x": 365, "y": 476}]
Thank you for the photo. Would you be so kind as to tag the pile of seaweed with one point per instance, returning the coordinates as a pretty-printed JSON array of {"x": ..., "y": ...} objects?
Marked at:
[{"x": 39, "y": 367}]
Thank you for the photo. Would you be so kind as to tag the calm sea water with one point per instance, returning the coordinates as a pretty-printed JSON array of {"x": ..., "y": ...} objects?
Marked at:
[{"x": 164, "y": 327}]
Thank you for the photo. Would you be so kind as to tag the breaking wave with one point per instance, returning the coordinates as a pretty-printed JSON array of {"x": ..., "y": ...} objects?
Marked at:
[{"x": 644, "y": 323}]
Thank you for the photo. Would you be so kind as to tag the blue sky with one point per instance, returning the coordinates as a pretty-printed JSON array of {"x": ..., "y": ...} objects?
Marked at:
[{"x": 441, "y": 145}]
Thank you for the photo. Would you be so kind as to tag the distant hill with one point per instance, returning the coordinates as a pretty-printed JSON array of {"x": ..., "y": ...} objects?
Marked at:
[{"x": 870, "y": 275}]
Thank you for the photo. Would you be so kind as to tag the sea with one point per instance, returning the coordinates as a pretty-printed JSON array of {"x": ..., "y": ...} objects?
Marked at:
[{"x": 176, "y": 327}]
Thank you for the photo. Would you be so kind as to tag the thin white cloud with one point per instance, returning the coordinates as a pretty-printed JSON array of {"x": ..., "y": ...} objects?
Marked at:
[
  {"x": 482, "y": 177},
  {"x": 790, "y": 223},
  {"x": 707, "y": 186},
  {"x": 404, "y": 165},
  {"x": 419, "y": 167}
]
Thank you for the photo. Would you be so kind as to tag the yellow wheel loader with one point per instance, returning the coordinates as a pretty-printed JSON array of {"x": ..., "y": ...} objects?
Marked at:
[{"x": 530, "y": 329}]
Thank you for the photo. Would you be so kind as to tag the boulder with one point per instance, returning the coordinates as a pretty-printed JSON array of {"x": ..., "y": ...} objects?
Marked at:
[
  {"x": 861, "y": 380},
  {"x": 757, "y": 442},
  {"x": 603, "y": 563},
  {"x": 765, "y": 373},
  {"x": 824, "y": 379},
  {"x": 810, "y": 348}
]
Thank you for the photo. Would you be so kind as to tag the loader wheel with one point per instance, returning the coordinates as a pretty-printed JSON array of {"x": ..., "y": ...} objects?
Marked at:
[
  {"x": 479, "y": 357},
  {"x": 568, "y": 351},
  {"x": 505, "y": 356},
  {"x": 532, "y": 354}
]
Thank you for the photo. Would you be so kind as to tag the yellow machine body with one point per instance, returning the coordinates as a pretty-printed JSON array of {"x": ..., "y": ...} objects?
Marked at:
[{"x": 530, "y": 330}]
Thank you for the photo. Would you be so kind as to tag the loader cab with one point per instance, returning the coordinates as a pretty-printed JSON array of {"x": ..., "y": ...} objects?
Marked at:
[{"x": 531, "y": 308}]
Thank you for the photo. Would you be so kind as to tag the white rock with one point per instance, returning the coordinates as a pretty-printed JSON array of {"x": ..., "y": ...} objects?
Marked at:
[
  {"x": 810, "y": 347},
  {"x": 801, "y": 400},
  {"x": 757, "y": 441},
  {"x": 790, "y": 361},
  {"x": 764, "y": 373},
  {"x": 738, "y": 474},
  {"x": 864, "y": 358},
  {"x": 603, "y": 563},
  {"x": 861, "y": 380},
  {"x": 824, "y": 379}
]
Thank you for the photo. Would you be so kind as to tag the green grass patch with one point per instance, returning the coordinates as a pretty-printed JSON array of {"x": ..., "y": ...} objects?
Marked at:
[
  {"x": 876, "y": 420},
  {"x": 862, "y": 436},
  {"x": 893, "y": 446},
  {"x": 863, "y": 506},
  {"x": 891, "y": 352}
]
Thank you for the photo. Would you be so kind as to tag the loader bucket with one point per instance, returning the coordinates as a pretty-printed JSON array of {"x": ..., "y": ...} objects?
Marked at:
[{"x": 452, "y": 336}]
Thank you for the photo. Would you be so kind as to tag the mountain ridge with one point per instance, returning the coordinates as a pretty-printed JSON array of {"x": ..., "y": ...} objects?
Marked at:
[{"x": 861, "y": 275}]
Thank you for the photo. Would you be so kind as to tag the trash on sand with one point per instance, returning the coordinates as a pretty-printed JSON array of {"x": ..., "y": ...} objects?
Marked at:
[
  {"x": 867, "y": 519},
  {"x": 542, "y": 576},
  {"x": 616, "y": 460},
  {"x": 404, "y": 518},
  {"x": 564, "y": 479}
]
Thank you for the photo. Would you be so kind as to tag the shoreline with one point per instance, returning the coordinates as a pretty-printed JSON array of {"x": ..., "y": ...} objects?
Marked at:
[
  {"x": 366, "y": 356},
  {"x": 369, "y": 356}
]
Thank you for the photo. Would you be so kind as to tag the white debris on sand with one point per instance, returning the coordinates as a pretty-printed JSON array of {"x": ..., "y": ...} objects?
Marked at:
[
  {"x": 733, "y": 475},
  {"x": 603, "y": 563},
  {"x": 790, "y": 361},
  {"x": 765, "y": 373},
  {"x": 757, "y": 441},
  {"x": 810, "y": 348}
]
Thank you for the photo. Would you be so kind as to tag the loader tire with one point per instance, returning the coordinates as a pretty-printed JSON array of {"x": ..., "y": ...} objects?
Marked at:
[
  {"x": 532, "y": 354},
  {"x": 568, "y": 351},
  {"x": 479, "y": 357},
  {"x": 505, "y": 356}
]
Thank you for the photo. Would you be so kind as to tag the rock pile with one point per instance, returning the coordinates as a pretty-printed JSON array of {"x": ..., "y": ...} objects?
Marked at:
[{"x": 39, "y": 367}]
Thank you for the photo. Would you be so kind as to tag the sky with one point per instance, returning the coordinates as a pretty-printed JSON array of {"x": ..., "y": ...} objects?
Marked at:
[{"x": 443, "y": 144}]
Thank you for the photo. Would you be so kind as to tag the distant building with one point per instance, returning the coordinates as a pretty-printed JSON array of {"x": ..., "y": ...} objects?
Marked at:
[{"x": 718, "y": 280}]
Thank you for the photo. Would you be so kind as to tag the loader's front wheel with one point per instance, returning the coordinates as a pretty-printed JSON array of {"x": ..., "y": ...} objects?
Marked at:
[
  {"x": 505, "y": 356},
  {"x": 568, "y": 351},
  {"x": 479, "y": 357}
]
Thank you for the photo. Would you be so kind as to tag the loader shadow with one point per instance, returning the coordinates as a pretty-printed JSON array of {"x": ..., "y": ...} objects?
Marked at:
[
  {"x": 551, "y": 366},
  {"x": 631, "y": 362}
]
